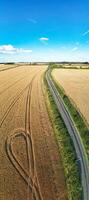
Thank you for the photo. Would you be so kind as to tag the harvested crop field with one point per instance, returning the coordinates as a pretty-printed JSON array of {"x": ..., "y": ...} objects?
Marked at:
[
  {"x": 30, "y": 165},
  {"x": 76, "y": 85},
  {"x": 4, "y": 67}
]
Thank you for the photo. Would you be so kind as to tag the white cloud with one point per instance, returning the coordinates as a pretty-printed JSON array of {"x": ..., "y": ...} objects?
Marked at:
[
  {"x": 75, "y": 49},
  {"x": 44, "y": 39},
  {"x": 43, "y": 55},
  {"x": 20, "y": 50},
  {"x": 85, "y": 33},
  {"x": 9, "y": 49}
]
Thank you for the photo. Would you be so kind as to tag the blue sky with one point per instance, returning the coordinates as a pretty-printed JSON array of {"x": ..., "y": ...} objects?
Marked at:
[{"x": 50, "y": 30}]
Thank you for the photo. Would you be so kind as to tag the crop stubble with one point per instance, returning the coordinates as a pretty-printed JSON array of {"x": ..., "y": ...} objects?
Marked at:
[
  {"x": 30, "y": 166},
  {"x": 76, "y": 85}
]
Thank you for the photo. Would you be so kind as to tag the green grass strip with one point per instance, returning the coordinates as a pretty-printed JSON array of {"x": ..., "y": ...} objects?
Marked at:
[
  {"x": 66, "y": 149},
  {"x": 78, "y": 118}
]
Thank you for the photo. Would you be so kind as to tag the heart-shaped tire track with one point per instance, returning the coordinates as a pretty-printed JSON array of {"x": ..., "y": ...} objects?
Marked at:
[
  {"x": 30, "y": 177},
  {"x": 16, "y": 163}
]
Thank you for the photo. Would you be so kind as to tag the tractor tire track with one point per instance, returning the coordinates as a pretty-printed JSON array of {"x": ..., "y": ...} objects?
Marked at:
[
  {"x": 23, "y": 173},
  {"x": 14, "y": 101},
  {"x": 31, "y": 155},
  {"x": 31, "y": 177},
  {"x": 11, "y": 85},
  {"x": 6, "y": 81}
]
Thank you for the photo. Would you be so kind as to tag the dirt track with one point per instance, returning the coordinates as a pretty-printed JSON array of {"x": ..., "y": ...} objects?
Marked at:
[{"x": 30, "y": 166}]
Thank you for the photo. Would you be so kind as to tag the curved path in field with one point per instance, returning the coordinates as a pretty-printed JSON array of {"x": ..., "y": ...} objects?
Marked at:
[{"x": 34, "y": 169}]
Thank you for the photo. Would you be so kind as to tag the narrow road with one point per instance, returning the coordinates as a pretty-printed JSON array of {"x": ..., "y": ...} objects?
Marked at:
[{"x": 71, "y": 127}]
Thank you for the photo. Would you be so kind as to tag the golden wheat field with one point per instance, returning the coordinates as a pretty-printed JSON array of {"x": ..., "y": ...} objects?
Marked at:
[
  {"x": 30, "y": 165},
  {"x": 76, "y": 85}
]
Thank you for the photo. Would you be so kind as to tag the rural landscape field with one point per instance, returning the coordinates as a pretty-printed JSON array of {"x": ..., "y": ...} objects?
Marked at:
[
  {"x": 30, "y": 165},
  {"x": 76, "y": 85},
  {"x": 38, "y": 158},
  {"x": 44, "y": 100}
]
